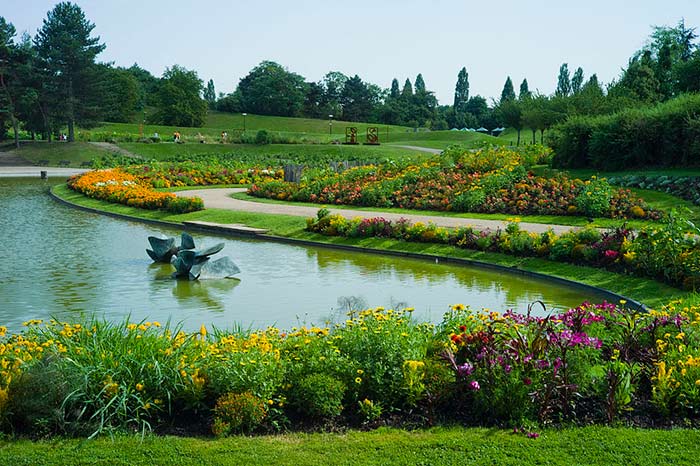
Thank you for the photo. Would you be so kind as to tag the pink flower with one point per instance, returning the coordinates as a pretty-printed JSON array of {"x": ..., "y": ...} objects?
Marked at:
[{"x": 474, "y": 385}]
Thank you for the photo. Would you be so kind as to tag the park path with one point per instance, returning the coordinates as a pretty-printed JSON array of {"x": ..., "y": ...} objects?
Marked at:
[
  {"x": 116, "y": 149},
  {"x": 221, "y": 199},
  {"x": 418, "y": 148}
]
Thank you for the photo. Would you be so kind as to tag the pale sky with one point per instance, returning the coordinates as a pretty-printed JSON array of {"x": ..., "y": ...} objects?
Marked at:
[{"x": 378, "y": 40}]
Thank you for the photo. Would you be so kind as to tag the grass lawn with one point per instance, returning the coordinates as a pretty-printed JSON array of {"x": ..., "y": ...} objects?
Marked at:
[
  {"x": 312, "y": 129},
  {"x": 443, "y": 139},
  {"x": 647, "y": 291},
  {"x": 439, "y": 446},
  {"x": 282, "y": 151},
  {"x": 76, "y": 152}
]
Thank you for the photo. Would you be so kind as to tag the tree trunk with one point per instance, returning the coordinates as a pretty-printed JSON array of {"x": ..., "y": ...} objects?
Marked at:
[
  {"x": 534, "y": 134},
  {"x": 71, "y": 112},
  {"x": 15, "y": 128},
  {"x": 518, "y": 138},
  {"x": 542, "y": 136},
  {"x": 10, "y": 109}
]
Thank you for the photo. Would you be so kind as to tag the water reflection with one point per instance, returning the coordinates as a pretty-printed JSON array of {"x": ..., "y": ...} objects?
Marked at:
[{"x": 70, "y": 263}]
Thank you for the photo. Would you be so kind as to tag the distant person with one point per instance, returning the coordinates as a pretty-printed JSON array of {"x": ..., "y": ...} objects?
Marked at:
[
  {"x": 224, "y": 137},
  {"x": 201, "y": 138}
]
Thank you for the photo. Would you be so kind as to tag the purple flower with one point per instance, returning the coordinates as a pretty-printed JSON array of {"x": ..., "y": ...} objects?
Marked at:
[
  {"x": 465, "y": 369},
  {"x": 532, "y": 435},
  {"x": 507, "y": 368},
  {"x": 474, "y": 385},
  {"x": 527, "y": 381}
]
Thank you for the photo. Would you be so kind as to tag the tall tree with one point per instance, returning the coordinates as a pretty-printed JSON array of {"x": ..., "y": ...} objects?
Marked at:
[
  {"x": 394, "y": 93},
  {"x": 210, "y": 94},
  {"x": 67, "y": 51},
  {"x": 407, "y": 90},
  {"x": 420, "y": 83},
  {"x": 577, "y": 81},
  {"x": 270, "y": 89},
  {"x": 461, "y": 90},
  {"x": 148, "y": 85},
  {"x": 524, "y": 90},
  {"x": 357, "y": 100},
  {"x": 508, "y": 93},
  {"x": 510, "y": 112},
  {"x": 564, "y": 81},
  {"x": 180, "y": 101},
  {"x": 12, "y": 82}
]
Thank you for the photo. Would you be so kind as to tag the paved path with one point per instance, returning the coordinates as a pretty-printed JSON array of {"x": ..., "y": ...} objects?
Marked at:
[
  {"x": 116, "y": 149},
  {"x": 418, "y": 148},
  {"x": 221, "y": 199},
  {"x": 31, "y": 171}
]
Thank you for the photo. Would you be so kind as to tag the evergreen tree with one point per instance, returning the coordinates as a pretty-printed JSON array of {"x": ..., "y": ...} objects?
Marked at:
[
  {"x": 394, "y": 93},
  {"x": 357, "y": 100},
  {"x": 461, "y": 90},
  {"x": 524, "y": 90},
  {"x": 407, "y": 90},
  {"x": 564, "y": 81},
  {"x": 67, "y": 52},
  {"x": 210, "y": 94},
  {"x": 420, "y": 84},
  {"x": 577, "y": 81},
  {"x": 508, "y": 93}
]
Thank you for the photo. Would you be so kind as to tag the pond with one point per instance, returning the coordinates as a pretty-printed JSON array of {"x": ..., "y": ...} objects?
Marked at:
[{"x": 71, "y": 264}]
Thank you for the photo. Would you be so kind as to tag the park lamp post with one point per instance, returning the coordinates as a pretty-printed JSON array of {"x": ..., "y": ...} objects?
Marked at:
[
  {"x": 244, "y": 115},
  {"x": 330, "y": 124}
]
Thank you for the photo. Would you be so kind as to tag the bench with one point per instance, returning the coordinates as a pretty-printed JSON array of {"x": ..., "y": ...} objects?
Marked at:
[{"x": 64, "y": 163}]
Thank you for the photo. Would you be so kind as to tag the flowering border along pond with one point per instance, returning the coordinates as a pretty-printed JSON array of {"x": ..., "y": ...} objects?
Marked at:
[
  {"x": 668, "y": 251},
  {"x": 592, "y": 364}
]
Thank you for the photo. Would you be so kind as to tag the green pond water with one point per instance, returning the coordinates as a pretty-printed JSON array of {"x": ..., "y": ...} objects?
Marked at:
[{"x": 70, "y": 264}]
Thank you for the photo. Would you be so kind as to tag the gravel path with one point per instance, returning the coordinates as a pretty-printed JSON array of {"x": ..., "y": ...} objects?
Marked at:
[
  {"x": 418, "y": 148},
  {"x": 221, "y": 199},
  {"x": 115, "y": 149},
  {"x": 33, "y": 171}
]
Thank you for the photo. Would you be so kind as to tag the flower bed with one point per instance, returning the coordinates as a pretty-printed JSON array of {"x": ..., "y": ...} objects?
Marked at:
[
  {"x": 166, "y": 175},
  {"x": 120, "y": 187},
  {"x": 594, "y": 363},
  {"x": 490, "y": 180},
  {"x": 666, "y": 252}
]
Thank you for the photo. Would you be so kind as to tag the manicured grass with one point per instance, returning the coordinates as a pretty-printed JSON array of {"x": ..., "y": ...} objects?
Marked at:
[
  {"x": 312, "y": 129},
  {"x": 75, "y": 152},
  {"x": 546, "y": 219},
  {"x": 440, "y": 446},
  {"x": 647, "y": 291},
  {"x": 282, "y": 151},
  {"x": 588, "y": 172},
  {"x": 443, "y": 139}
]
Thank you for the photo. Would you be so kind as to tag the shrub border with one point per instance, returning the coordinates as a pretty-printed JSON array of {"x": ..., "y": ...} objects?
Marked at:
[{"x": 610, "y": 295}]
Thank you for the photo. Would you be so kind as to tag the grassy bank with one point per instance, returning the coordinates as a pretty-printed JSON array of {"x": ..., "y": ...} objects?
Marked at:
[
  {"x": 75, "y": 152},
  {"x": 649, "y": 292},
  {"x": 592, "y": 446}
]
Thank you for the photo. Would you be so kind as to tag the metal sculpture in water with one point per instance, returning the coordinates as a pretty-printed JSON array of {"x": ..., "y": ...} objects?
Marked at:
[{"x": 189, "y": 262}]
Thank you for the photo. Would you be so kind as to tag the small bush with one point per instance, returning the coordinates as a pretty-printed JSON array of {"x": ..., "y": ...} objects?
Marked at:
[
  {"x": 262, "y": 138},
  {"x": 318, "y": 396},
  {"x": 238, "y": 413}
]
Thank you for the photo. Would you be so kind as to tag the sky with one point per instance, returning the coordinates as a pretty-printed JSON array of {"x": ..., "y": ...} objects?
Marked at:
[{"x": 377, "y": 40}]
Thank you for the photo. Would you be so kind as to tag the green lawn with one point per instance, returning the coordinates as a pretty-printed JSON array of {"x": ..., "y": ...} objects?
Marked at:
[
  {"x": 341, "y": 152},
  {"x": 647, "y": 291},
  {"x": 317, "y": 130},
  {"x": 443, "y": 139},
  {"x": 440, "y": 446},
  {"x": 75, "y": 152}
]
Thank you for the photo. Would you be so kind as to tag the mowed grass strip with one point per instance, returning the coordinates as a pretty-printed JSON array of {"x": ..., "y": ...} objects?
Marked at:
[{"x": 440, "y": 446}]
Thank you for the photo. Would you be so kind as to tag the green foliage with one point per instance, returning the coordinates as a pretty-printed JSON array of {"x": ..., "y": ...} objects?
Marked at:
[
  {"x": 238, "y": 413},
  {"x": 262, "y": 137},
  {"x": 318, "y": 396},
  {"x": 508, "y": 93},
  {"x": 563, "y": 81},
  {"x": 663, "y": 135},
  {"x": 179, "y": 101},
  {"x": 461, "y": 90},
  {"x": 270, "y": 89},
  {"x": 594, "y": 199}
]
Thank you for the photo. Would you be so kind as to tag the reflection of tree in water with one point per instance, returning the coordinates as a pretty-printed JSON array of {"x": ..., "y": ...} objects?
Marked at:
[{"x": 513, "y": 287}]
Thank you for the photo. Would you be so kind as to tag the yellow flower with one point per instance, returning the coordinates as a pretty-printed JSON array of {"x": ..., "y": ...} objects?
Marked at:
[
  {"x": 139, "y": 387},
  {"x": 358, "y": 380},
  {"x": 360, "y": 371}
]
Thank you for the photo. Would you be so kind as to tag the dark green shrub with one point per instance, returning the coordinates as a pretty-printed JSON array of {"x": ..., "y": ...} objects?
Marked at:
[
  {"x": 318, "y": 396},
  {"x": 262, "y": 137}
]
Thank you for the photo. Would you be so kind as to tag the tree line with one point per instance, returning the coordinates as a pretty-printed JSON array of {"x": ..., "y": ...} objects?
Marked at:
[{"x": 53, "y": 81}]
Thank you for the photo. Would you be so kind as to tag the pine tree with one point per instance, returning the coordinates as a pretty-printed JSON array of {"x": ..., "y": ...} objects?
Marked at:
[
  {"x": 524, "y": 90},
  {"x": 394, "y": 93},
  {"x": 564, "y": 81},
  {"x": 407, "y": 89},
  {"x": 508, "y": 93},
  {"x": 461, "y": 90},
  {"x": 577, "y": 81},
  {"x": 210, "y": 94},
  {"x": 420, "y": 84},
  {"x": 67, "y": 52}
]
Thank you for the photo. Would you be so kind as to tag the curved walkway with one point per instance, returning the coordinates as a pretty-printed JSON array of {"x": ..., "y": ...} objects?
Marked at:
[{"x": 221, "y": 199}]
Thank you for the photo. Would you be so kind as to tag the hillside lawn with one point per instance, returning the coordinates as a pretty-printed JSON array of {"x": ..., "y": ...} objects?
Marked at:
[{"x": 54, "y": 152}]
